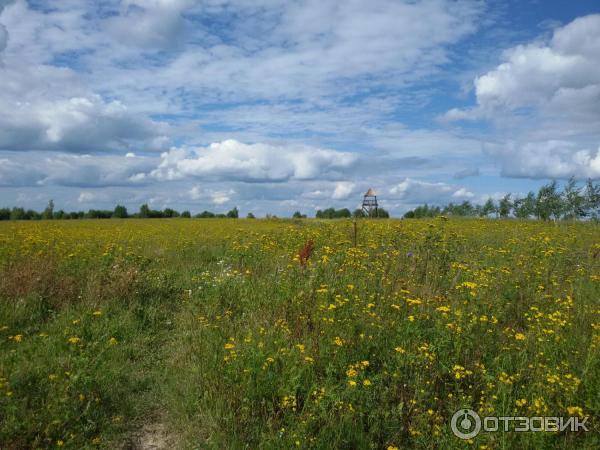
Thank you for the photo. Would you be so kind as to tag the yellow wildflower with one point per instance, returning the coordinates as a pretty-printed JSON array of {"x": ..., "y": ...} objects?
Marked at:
[{"x": 575, "y": 411}]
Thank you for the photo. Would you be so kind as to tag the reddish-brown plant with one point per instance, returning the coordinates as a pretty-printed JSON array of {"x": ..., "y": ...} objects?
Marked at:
[{"x": 306, "y": 252}]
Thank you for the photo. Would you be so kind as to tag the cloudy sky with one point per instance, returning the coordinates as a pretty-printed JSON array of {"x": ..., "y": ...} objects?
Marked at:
[{"x": 276, "y": 106}]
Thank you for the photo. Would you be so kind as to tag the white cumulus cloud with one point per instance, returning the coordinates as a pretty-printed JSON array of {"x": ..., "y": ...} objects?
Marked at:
[
  {"x": 220, "y": 197},
  {"x": 234, "y": 160},
  {"x": 412, "y": 191},
  {"x": 545, "y": 100},
  {"x": 547, "y": 159},
  {"x": 86, "y": 197},
  {"x": 552, "y": 75},
  {"x": 64, "y": 169},
  {"x": 342, "y": 190}
]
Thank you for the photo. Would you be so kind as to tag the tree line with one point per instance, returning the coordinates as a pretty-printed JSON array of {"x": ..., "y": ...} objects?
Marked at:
[
  {"x": 145, "y": 212},
  {"x": 332, "y": 213},
  {"x": 120, "y": 212},
  {"x": 550, "y": 203}
]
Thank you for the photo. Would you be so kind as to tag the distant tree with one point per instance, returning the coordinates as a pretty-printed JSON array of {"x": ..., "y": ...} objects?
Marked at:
[
  {"x": 205, "y": 215},
  {"x": 17, "y": 214},
  {"x": 574, "y": 203},
  {"x": 49, "y": 211},
  {"x": 488, "y": 208},
  {"x": 427, "y": 211},
  {"x": 298, "y": 215},
  {"x": 233, "y": 214},
  {"x": 549, "y": 203},
  {"x": 120, "y": 212},
  {"x": 332, "y": 213},
  {"x": 328, "y": 213},
  {"x": 147, "y": 213},
  {"x": 144, "y": 211},
  {"x": 424, "y": 211},
  {"x": 449, "y": 209},
  {"x": 30, "y": 214},
  {"x": 358, "y": 213},
  {"x": 58, "y": 215},
  {"x": 382, "y": 213},
  {"x": 185, "y": 214},
  {"x": 98, "y": 214},
  {"x": 525, "y": 207},
  {"x": 250, "y": 216},
  {"x": 504, "y": 206},
  {"x": 592, "y": 199},
  {"x": 168, "y": 213},
  {"x": 4, "y": 214},
  {"x": 343, "y": 213},
  {"x": 466, "y": 208}
]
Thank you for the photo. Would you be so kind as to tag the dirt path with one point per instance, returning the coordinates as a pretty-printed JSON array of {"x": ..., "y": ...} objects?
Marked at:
[{"x": 152, "y": 436}]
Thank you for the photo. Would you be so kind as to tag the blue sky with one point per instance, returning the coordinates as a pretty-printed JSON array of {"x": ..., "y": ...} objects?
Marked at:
[{"x": 276, "y": 106}]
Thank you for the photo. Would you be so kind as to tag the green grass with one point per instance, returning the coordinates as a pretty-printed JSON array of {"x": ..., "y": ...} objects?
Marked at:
[{"x": 214, "y": 330}]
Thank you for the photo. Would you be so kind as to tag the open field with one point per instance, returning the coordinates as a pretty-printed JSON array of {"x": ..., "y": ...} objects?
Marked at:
[{"x": 213, "y": 332}]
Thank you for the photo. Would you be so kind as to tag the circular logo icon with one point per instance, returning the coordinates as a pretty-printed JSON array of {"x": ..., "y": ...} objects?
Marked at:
[{"x": 465, "y": 424}]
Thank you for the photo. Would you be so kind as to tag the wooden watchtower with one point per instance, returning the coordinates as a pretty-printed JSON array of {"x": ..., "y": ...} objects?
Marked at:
[{"x": 369, "y": 204}]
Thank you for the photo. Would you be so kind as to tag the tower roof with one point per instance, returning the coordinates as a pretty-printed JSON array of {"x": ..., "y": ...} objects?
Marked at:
[{"x": 370, "y": 193}]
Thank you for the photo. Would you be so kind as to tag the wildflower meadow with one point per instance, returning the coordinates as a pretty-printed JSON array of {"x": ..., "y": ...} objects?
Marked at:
[{"x": 310, "y": 334}]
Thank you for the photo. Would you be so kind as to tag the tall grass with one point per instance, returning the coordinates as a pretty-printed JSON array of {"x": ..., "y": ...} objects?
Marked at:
[{"x": 231, "y": 334}]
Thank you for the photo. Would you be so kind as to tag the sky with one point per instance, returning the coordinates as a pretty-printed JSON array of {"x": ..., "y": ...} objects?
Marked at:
[{"x": 276, "y": 106}]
